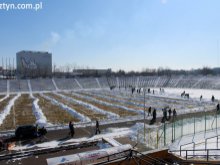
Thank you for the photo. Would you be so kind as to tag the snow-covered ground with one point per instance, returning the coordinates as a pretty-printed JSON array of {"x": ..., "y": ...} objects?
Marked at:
[
  {"x": 111, "y": 133},
  {"x": 176, "y": 93},
  {"x": 193, "y": 93}
]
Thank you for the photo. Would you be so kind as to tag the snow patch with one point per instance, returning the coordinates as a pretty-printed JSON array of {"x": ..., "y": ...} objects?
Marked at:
[
  {"x": 41, "y": 118},
  {"x": 8, "y": 108},
  {"x": 52, "y": 144},
  {"x": 6, "y": 96}
]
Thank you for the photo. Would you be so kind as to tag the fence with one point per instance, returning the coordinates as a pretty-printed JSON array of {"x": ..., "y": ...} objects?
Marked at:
[
  {"x": 202, "y": 154},
  {"x": 165, "y": 134}
]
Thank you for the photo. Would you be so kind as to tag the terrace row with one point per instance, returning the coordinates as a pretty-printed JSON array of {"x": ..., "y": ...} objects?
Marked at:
[{"x": 199, "y": 82}]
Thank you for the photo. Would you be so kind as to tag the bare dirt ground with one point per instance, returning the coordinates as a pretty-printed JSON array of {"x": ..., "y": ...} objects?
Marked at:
[
  {"x": 121, "y": 112},
  {"x": 53, "y": 113},
  {"x": 79, "y": 108}
]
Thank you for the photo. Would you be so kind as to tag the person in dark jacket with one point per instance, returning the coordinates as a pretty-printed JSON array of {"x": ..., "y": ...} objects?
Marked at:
[
  {"x": 164, "y": 110},
  {"x": 213, "y": 98},
  {"x": 201, "y": 98},
  {"x": 153, "y": 120},
  {"x": 174, "y": 113},
  {"x": 71, "y": 128},
  {"x": 149, "y": 111},
  {"x": 97, "y": 130},
  {"x": 217, "y": 107},
  {"x": 154, "y": 114},
  {"x": 169, "y": 111},
  {"x": 165, "y": 114}
]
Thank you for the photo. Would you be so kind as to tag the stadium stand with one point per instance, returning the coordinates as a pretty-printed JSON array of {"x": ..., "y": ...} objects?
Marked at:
[
  {"x": 42, "y": 84},
  {"x": 66, "y": 84},
  {"x": 196, "y": 82},
  {"x": 88, "y": 82},
  {"x": 103, "y": 82},
  {"x": 173, "y": 82},
  {"x": 112, "y": 81},
  {"x": 3, "y": 86},
  {"x": 18, "y": 86}
]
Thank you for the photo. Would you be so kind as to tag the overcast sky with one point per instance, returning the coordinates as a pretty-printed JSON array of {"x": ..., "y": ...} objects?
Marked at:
[{"x": 117, "y": 34}]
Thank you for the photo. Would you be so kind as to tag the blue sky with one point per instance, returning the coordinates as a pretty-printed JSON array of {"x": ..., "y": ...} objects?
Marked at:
[{"x": 117, "y": 34}]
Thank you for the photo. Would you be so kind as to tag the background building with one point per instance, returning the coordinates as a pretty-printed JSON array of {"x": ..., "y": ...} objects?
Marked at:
[
  {"x": 92, "y": 72},
  {"x": 34, "y": 64}
]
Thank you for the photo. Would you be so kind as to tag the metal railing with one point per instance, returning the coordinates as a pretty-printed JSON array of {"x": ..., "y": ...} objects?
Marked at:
[
  {"x": 134, "y": 155},
  {"x": 207, "y": 153},
  {"x": 186, "y": 145},
  {"x": 211, "y": 138}
]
